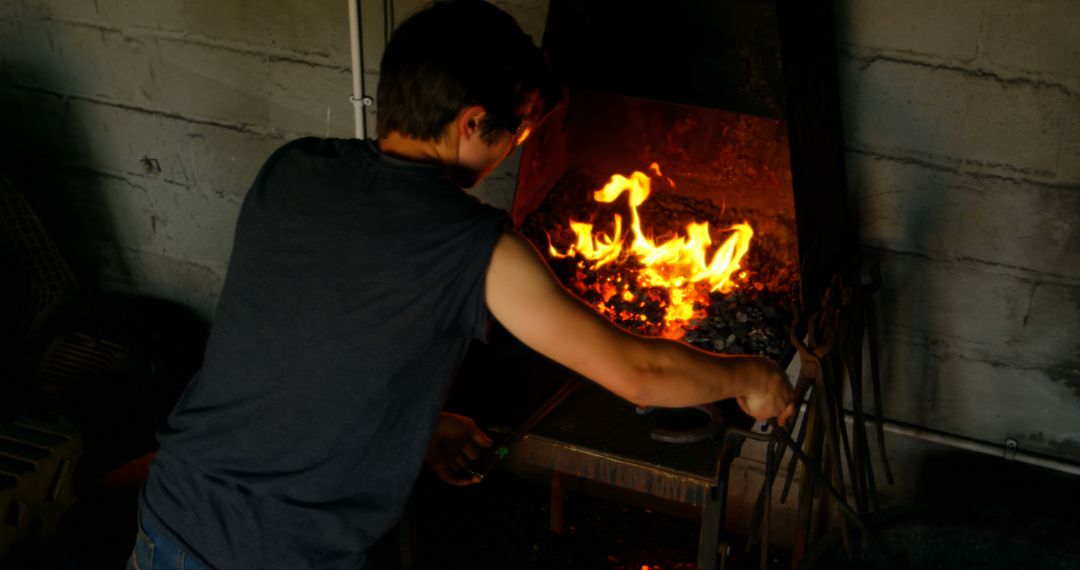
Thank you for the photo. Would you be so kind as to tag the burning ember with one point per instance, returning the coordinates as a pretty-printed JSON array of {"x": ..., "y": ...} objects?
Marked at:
[{"x": 675, "y": 275}]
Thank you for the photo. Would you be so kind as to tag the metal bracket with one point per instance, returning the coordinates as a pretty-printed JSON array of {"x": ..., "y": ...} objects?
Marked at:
[{"x": 1009, "y": 453}]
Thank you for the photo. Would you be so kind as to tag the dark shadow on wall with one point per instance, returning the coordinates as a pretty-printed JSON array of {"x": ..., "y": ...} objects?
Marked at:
[
  {"x": 42, "y": 146},
  {"x": 110, "y": 365},
  {"x": 917, "y": 217}
]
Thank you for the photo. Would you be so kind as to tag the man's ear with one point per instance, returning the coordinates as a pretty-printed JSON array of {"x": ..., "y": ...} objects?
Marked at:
[{"x": 468, "y": 121}]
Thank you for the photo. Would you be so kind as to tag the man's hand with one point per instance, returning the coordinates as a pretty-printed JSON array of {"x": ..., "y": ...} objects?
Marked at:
[
  {"x": 456, "y": 441},
  {"x": 769, "y": 394}
]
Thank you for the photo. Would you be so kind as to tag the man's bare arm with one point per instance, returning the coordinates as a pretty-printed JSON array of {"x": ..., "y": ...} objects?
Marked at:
[{"x": 526, "y": 298}]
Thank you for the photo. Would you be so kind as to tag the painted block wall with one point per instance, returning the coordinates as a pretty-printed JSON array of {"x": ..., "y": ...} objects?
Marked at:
[
  {"x": 136, "y": 127},
  {"x": 961, "y": 123}
]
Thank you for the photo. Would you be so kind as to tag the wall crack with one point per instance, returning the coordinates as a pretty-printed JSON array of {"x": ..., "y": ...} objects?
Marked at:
[{"x": 866, "y": 60}]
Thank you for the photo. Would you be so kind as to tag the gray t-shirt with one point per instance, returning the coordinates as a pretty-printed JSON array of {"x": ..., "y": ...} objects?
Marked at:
[{"x": 355, "y": 285}]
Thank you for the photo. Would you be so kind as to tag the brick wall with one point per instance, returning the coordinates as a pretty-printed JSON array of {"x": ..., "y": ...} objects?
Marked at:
[{"x": 137, "y": 126}]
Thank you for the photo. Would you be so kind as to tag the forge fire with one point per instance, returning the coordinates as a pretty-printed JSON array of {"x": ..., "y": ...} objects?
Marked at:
[
  {"x": 660, "y": 263},
  {"x": 674, "y": 274}
]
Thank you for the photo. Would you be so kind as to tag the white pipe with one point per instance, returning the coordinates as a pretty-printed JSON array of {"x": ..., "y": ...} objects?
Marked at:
[
  {"x": 357, "y": 99},
  {"x": 1007, "y": 451}
]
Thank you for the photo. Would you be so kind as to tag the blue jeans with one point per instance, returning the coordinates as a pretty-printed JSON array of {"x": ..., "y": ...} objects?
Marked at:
[{"x": 155, "y": 551}]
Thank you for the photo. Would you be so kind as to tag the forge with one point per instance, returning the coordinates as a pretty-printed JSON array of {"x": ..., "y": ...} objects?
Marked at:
[{"x": 689, "y": 186}]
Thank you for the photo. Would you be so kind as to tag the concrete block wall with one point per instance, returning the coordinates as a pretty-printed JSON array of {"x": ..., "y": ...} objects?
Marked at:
[
  {"x": 961, "y": 124},
  {"x": 138, "y": 126}
]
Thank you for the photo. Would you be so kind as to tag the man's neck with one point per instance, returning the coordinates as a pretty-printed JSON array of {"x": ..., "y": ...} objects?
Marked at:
[{"x": 437, "y": 152}]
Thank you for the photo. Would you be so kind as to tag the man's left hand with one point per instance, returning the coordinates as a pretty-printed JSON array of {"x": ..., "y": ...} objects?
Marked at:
[{"x": 456, "y": 441}]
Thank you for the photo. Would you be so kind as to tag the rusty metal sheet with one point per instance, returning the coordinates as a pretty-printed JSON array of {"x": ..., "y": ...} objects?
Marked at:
[
  {"x": 657, "y": 480},
  {"x": 596, "y": 435}
]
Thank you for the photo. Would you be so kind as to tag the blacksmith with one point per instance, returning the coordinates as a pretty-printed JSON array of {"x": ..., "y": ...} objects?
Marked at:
[{"x": 359, "y": 275}]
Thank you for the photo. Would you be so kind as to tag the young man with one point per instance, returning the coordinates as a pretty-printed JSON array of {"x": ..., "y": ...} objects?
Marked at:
[{"x": 359, "y": 274}]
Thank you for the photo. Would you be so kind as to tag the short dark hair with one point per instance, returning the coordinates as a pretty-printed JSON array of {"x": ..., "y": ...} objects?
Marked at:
[{"x": 452, "y": 55}]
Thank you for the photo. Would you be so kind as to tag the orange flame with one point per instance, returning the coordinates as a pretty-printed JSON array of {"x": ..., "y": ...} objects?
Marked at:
[{"x": 681, "y": 264}]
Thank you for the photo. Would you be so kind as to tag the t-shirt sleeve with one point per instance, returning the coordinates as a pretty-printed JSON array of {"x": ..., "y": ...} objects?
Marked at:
[{"x": 463, "y": 304}]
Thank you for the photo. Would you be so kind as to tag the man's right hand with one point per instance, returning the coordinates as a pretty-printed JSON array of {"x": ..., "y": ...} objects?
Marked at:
[{"x": 768, "y": 392}]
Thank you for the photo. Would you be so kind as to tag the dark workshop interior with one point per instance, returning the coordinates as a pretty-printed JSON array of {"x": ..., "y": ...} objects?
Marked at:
[{"x": 881, "y": 197}]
